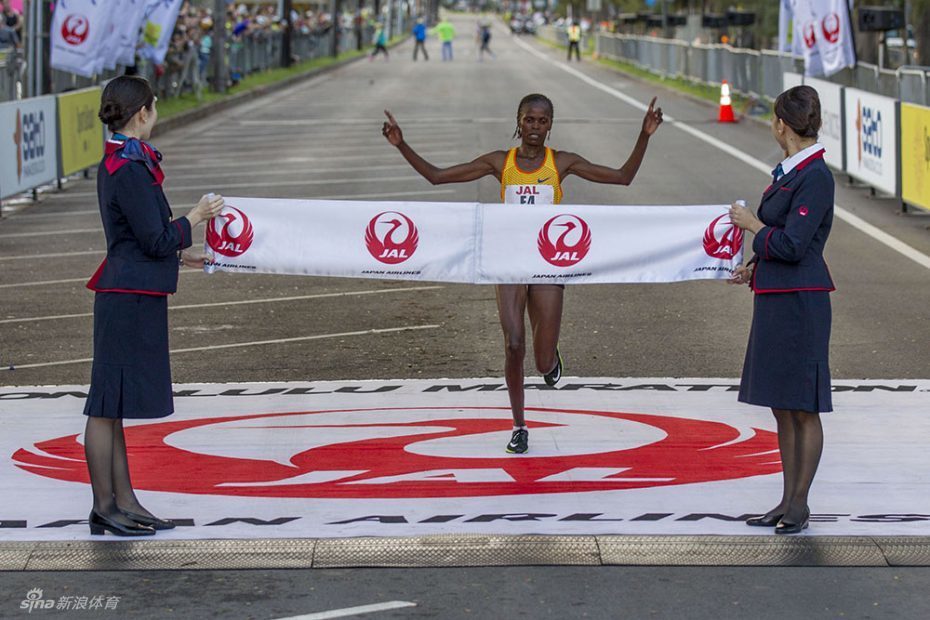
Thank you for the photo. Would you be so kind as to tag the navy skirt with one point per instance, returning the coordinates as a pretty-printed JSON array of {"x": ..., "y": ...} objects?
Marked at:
[
  {"x": 131, "y": 375},
  {"x": 787, "y": 360}
]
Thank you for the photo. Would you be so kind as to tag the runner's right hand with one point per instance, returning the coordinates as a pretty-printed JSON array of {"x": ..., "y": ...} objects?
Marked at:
[{"x": 391, "y": 130}]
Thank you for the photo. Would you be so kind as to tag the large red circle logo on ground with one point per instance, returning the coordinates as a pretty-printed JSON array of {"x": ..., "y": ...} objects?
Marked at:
[
  {"x": 75, "y": 28},
  {"x": 723, "y": 239},
  {"x": 230, "y": 233},
  {"x": 391, "y": 237},
  {"x": 420, "y": 452},
  {"x": 564, "y": 240}
]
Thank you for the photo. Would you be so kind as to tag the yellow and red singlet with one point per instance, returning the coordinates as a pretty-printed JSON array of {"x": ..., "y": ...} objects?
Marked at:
[{"x": 537, "y": 187}]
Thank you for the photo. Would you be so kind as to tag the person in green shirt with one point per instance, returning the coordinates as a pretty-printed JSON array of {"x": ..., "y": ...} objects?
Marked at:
[{"x": 446, "y": 32}]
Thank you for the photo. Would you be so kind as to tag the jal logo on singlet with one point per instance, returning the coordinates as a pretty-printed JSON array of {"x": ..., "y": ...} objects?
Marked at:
[
  {"x": 391, "y": 237},
  {"x": 230, "y": 233},
  {"x": 420, "y": 452},
  {"x": 723, "y": 239},
  {"x": 75, "y": 28},
  {"x": 564, "y": 240},
  {"x": 539, "y": 194}
]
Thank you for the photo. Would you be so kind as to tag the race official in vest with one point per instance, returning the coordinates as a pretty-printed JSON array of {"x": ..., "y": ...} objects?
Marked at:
[
  {"x": 574, "y": 41},
  {"x": 787, "y": 364},
  {"x": 131, "y": 375}
]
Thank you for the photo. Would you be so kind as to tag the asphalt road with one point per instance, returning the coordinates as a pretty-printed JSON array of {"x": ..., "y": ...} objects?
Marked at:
[{"x": 322, "y": 139}]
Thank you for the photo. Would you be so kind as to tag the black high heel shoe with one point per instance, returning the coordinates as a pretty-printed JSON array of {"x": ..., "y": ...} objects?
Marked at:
[
  {"x": 769, "y": 520},
  {"x": 153, "y": 522},
  {"x": 100, "y": 524},
  {"x": 786, "y": 527}
]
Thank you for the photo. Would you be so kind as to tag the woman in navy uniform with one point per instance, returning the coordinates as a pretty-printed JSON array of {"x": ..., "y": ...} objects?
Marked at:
[
  {"x": 787, "y": 359},
  {"x": 131, "y": 376}
]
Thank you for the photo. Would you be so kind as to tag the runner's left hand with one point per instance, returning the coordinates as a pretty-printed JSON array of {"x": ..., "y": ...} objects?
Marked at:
[{"x": 653, "y": 118}]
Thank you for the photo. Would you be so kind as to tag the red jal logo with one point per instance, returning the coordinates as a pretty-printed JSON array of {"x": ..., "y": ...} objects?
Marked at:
[
  {"x": 420, "y": 452},
  {"x": 723, "y": 240},
  {"x": 233, "y": 237},
  {"x": 570, "y": 245},
  {"x": 810, "y": 34},
  {"x": 75, "y": 29},
  {"x": 391, "y": 237},
  {"x": 831, "y": 27}
]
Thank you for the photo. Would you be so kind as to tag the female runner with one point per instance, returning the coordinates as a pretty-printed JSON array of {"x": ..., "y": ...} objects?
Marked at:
[{"x": 532, "y": 164}]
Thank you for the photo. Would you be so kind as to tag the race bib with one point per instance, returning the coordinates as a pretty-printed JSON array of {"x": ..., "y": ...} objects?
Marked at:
[{"x": 529, "y": 195}]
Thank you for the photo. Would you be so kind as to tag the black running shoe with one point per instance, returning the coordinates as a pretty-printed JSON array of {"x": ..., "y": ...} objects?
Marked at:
[
  {"x": 552, "y": 377},
  {"x": 519, "y": 441}
]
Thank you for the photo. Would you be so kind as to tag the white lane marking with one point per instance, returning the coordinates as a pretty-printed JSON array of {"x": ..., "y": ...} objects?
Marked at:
[
  {"x": 244, "y": 302},
  {"x": 853, "y": 220},
  {"x": 41, "y": 216},
  {"x": 316, "y": 171},
  {"x": 67, "y": 281},
  {"x": 352, "y": 611},
  {"x": 75, "y": 231},
  {"x": 302, "y": 182},
  {"x": 254, "y": 343},
  {"x": 53, "y": 255}
]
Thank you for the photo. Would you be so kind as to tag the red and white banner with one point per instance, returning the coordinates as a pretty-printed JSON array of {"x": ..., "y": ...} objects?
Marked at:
[
  {"x": 474, "y": 243},
  {"x": 608, "y": 455},
  {"x": 824, "y": 29},
  {"x": 78, "y": 35}
]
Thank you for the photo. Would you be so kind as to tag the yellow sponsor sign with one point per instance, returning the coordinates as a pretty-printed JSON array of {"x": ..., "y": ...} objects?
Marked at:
[
  {"x": 915, "y": 155},
  {"x": 80, "y": 129}
]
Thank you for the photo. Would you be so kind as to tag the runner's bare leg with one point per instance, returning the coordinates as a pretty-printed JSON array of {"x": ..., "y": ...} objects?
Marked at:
[
  {"x": 544, "y": 303},
  {"x": 511, "y": 307}
]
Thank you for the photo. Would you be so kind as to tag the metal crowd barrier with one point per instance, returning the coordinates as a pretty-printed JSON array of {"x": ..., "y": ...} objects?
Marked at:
[{"x": 755, "y": 73}]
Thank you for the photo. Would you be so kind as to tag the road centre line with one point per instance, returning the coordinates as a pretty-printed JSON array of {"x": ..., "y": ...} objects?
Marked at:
[
  {"x": 76, "y": 231},
  {"x": 242, "y": 302},
  {"x": 53, "y": 255},
  {"x": 254, "y": 343},
  {"x": 352, "y": 611},
  {"x": 850, "y": 218},
  {"x": 68, "y": 281},
  {"x": 222, "y": 187}
]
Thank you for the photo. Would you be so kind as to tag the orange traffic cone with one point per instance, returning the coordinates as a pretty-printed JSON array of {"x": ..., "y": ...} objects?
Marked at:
[{"x": 726, "y": 105}]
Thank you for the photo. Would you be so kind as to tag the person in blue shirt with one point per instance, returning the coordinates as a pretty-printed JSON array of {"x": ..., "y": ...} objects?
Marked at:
[
  {"x": 787, "y": 364},
  {"x": 380, "y": 43},
  {"x": 419, "y": 37}
]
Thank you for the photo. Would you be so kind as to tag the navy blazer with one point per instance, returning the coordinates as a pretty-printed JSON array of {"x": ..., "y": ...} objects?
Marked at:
[
  {"x": 797, "y": 211},
  {"x": 142, "y": 240}
]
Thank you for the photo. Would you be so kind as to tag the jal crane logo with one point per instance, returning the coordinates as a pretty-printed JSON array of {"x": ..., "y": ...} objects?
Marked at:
[
  {"x": 723, "y": 239},
  {"x": 564, "y": 240},
  {"x": 230, "y": 233},
  {"x": 391, "y": 237}
]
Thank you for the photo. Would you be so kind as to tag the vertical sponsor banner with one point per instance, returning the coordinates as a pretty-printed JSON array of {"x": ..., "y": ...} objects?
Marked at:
[
  {"x": 599, "y": 244},
  {"x": 128, "y": 31},
  {"x": 78, "y": 32},
  {"x": 106, "y": 59},
  {"x": 915, "y": 155},
  {"x": 790, "y": 79},
  {"x": 157, "y": 25},
  {"x": 831, "y": 113},
  {"x": 80, "y": 130},
  {"x": 28, "y": 144},
  {"x": 381, "y": 240},
  {"x": 871, "y": 139}
]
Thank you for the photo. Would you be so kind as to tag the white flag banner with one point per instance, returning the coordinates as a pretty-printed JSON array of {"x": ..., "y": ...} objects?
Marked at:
[
  {"x": 474, "y": 243},
  {"x": 78, "y": 32},
  {"x": 106, "y": 58},
  {"x": 825, "y": 29},
  {"x": 157, "y": 26},
  {"x": 128, "y": 31}
]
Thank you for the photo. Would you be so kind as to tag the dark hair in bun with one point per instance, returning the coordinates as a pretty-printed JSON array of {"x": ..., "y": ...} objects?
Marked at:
[
  {"x": 799, "y": 108},
  {"x": 122, "y": 98}
]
